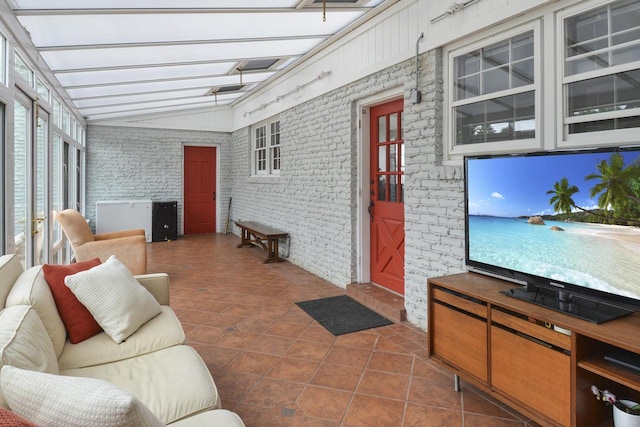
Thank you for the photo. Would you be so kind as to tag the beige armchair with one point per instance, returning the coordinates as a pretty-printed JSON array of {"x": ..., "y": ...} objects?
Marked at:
[{"x": 129, "y": 246}]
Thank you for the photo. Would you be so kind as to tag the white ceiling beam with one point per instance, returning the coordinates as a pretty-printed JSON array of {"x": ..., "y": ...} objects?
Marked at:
[
  {"x": 168, "y": 64},
  {"x": 176, "y": 43},
  {"x": 181, "y": 11}
]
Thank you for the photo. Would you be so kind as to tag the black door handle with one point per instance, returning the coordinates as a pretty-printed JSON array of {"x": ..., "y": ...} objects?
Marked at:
[
  {"x": 370, "y": 209},
  {"x": 214, "y": 195}
]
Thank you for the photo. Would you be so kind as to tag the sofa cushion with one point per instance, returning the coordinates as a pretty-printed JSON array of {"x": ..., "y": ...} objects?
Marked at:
[
  {"x": 78, "y": 321},
  {"x": 114, "y": 297},
  {"x": 214, "y": 418},
  {"x": 174, "y": 383},
  {"x": 10, "y": 270},
  {"x": 160, "y": 332},
  {"x": 24, "y": 341},
  {"x": 55, "y": 400},
  {"x": 32, "y": 289}
]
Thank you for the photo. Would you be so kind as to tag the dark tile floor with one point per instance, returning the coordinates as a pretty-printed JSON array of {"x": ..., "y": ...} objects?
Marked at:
[{"x": 275, "y": 366}]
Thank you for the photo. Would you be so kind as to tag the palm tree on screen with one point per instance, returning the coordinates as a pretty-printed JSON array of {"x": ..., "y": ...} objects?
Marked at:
[
  {"x": 562, "y": 192},
  {"x": 616, "y": 184}
]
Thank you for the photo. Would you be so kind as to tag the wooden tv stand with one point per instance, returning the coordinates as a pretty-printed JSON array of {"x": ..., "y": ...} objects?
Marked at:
[{"x": 513, "y": 350}]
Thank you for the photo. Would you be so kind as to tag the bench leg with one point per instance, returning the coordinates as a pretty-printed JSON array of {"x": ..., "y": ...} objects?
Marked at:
[
  {"x": 272, "y": 251},
  {"x": 244, "y": 238}
]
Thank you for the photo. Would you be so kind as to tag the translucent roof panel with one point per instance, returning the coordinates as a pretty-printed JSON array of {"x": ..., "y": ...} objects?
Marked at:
[
  {"x": 154, "y": 55},
  {"x": 118, "y": 58},
  {"x": 62, "y": 30},
  {"x": 101, "y": 77},
  {"x": 166, "y": 85},
  {"x": 153, "y": 4}
]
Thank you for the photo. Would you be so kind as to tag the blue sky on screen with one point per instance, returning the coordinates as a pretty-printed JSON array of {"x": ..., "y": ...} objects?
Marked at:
[{"x": 517, "y": 186}]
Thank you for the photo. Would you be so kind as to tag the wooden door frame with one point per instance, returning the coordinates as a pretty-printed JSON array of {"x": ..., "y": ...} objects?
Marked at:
[
  {"x": 218, "y": 186},
  {"x": 363, "y": 220}
]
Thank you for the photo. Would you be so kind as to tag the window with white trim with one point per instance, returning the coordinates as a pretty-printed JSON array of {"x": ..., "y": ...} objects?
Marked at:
[
  {"x": 601, "y": 78},
  {"x": 265, "y": 142},
  {"x": 493, "y": 97},
  {"x": 275, "y": 146}
]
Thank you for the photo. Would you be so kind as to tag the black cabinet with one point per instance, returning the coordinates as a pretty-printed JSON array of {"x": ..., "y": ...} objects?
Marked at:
[{"x": 164, "y": 221}]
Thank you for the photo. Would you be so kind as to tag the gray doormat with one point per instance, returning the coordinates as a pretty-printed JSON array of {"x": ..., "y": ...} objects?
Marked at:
[{"x": 342, "y": 314}]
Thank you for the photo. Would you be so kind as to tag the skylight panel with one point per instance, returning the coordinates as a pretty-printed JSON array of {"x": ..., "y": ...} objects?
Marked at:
[
  {"x": 225, "y": 89},
  {"x": 259, "y": 64}
]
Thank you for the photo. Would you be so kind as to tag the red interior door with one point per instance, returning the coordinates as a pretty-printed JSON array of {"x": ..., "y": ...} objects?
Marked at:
[
  {"x": 199, "y": 190},
  {"x": 386, "y": 204}
]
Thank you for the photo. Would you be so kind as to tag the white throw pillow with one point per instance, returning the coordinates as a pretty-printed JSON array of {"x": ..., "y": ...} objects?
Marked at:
[
  {"x": 55, "y": 400},
  {"x": 24, "y": 341},
  {"x": 114, "y": 297}
]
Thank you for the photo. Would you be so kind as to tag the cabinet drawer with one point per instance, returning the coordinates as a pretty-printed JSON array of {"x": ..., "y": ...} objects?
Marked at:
[
  {"x": 535, "y": 330},
  {"x": 528, "y": 371},
  {"x": 460, "y": 340},
  {"x": 466, "y": 304}
]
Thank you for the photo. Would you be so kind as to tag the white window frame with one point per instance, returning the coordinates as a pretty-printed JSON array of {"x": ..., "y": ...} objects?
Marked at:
[
  {"x": 458, "y": 49},
  {"x": 265, "y": 137},
  {"x": 4, "y": 48},
  {"x": 596, "y": 138},
  {"x": 275, "y": 152}
]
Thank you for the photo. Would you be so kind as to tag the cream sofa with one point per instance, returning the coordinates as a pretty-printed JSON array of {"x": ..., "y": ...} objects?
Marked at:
[{"x": 153, "y": 364}]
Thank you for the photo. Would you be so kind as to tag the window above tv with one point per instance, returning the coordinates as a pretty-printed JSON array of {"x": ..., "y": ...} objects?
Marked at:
[
  {"x": 561, "y": 80},
  {"x": 601, "y": 70}
]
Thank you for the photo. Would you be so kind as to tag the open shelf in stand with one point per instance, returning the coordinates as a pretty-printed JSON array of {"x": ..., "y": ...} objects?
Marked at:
[{"x": 599, "y": 366}]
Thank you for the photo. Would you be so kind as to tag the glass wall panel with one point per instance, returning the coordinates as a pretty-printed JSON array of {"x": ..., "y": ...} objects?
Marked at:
[
  {"x": 43, "y": 91},
  {"x": 39, "y": 227},
  {"x": 22, "y": 70},
  {"x": 56, "y": 188},
  {"x": 21, "y": 136}
]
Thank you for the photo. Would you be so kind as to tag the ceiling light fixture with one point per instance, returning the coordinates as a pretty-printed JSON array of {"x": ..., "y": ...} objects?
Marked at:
[{"x": 239, "y": 69}]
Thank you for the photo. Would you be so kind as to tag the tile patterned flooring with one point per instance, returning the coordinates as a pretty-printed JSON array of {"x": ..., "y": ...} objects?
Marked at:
[{"x": 275, "y": 366}]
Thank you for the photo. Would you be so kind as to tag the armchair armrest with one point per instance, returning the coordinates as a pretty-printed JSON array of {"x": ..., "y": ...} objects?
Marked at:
[
  {"x": 118, "y": 234},
  {"x": 157, "y": 284},
  {"x": 131, "y": 251}
]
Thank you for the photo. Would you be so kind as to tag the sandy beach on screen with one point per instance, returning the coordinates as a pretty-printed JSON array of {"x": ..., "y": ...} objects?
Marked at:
[{"x": 627, "y": 234}]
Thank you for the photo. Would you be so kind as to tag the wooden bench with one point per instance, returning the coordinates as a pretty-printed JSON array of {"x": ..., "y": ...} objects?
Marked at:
[{"x": 254, "y": 233}]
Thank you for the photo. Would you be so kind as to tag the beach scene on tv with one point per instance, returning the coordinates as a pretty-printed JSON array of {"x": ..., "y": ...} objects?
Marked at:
[{"x": 571, "y": 217}]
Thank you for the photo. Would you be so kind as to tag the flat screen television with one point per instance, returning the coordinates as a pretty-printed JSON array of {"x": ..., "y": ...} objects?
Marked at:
[{"x": 564, "y": 225}]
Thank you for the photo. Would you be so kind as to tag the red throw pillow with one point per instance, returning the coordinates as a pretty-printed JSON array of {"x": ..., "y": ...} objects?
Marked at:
[
  {"x": 10, "y": 419},
  {"x": 79, "y": 323}
]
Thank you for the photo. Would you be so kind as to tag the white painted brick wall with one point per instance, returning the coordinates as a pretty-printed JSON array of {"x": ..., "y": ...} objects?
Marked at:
[
  {"x": 314, "y": 199},
  {"x": 126, "y": 163}
]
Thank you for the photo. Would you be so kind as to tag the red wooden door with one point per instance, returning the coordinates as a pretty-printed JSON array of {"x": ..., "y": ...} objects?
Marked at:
[
  {"x": 386, "y": 205},
  {"x": 199, "y": 190}
]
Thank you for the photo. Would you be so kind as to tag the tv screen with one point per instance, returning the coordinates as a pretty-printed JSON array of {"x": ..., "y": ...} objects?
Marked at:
[{"x": 558, "y": 220}]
